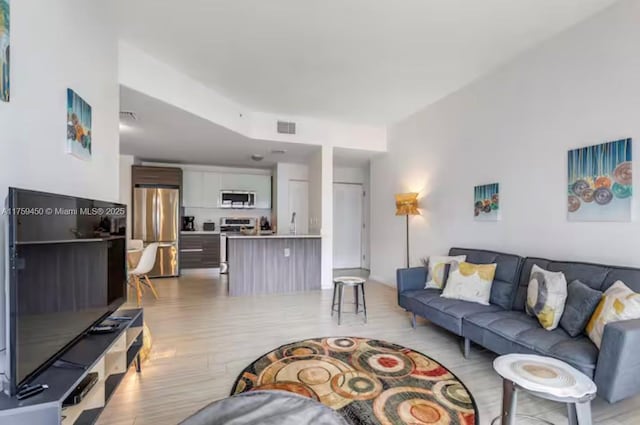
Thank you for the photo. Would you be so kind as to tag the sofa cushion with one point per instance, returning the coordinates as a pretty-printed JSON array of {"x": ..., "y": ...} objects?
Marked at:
[
  {"x": 415, "y": 300},
  {"x": 513, "y": 331},
  {"x": 507, "y": 273},
  {"x": 460, "y": 309},
  {"x": 443, "y": 312}
]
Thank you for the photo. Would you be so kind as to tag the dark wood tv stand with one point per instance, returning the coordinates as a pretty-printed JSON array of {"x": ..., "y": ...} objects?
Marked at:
[{"x": 111, "y": 355}]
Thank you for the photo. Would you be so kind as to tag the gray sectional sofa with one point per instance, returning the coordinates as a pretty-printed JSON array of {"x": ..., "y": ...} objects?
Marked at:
[{"x": 503, "y": 327}]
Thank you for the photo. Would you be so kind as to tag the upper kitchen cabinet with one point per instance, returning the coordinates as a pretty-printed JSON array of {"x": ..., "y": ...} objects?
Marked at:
[
  {"x": 192, "y": 189},
  {"x": 261, "y": 184},
  {"x": 201, "y": 189},
  {"x": 211, "y": 189},
  {"x": 263, "y": 192},
  {"x": 233, "y": 181}
]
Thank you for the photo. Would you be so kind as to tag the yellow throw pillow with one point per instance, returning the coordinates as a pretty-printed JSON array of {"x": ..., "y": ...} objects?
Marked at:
[
  {"x": 436, "y": 265},
  {"x": 618, "y": 303},
  {"x": 470, "y": 282}
]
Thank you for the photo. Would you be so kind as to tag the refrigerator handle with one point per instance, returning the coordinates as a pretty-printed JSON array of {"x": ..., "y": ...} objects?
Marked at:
[{"x": 156, "y": 215}]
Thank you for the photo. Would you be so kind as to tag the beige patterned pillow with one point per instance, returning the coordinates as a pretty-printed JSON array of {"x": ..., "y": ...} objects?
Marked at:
[
  {"x": 436, "y": 265},
  {"x": 470, "y": 282},
  {"x": 618, "y": 303},
  {"x": 546, "y": 296}
]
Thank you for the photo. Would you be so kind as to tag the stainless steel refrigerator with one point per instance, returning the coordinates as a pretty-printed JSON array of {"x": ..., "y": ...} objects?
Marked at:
[{"x": 157, "y": 219}]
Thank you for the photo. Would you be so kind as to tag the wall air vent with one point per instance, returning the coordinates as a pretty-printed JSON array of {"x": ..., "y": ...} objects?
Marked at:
[
  {"x": 286, "y": 127},
  {"x": 128, "y": 115}
]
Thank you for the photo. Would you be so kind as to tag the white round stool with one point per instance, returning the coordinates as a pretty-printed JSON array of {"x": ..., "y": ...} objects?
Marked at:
[{"x": 338, "y": 289}]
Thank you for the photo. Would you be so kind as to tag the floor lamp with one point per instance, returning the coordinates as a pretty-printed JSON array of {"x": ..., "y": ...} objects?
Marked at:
[{"x": 407, "y": 204}]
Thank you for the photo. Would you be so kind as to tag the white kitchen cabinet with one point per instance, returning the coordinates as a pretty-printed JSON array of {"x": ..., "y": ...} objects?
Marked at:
[
  {"x": 232, "y": 181},
  {"x": 192, "y": 185},
  {"x": 260, "y": 184},
  {"x": 201, "y": 189},
  {"x": 211, "y": 189},
  {"x": 263, "y": 192}
]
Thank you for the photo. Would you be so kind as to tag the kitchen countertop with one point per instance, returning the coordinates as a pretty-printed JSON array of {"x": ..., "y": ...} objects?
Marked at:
[
  {"x": 272, "y": 236},
  {"x": 200, "y": 232}
]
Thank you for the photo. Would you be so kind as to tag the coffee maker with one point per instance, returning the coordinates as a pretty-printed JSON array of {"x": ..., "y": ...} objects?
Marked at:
[{"x": 188, "y": 223}]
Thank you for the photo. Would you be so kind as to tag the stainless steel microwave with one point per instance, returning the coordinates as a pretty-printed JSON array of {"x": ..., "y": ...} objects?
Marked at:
[{"x": 237, "y": 199}]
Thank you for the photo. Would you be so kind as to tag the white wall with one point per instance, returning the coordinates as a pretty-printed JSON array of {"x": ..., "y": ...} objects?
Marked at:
[
  {"x": 55, "y": 46},
  {"x": 283, "y": 173},
  {"x": 515, "y": 127},
  {"x": 315, "y": 193},
  {"x": 125, "y": 163}
]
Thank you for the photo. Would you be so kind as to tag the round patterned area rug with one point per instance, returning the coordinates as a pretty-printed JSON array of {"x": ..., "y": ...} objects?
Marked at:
[{"x": 367, "y": 381}]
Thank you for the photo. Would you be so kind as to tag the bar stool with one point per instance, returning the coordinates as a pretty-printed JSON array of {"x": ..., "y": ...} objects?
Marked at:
[{"x": 338, "y": 289}]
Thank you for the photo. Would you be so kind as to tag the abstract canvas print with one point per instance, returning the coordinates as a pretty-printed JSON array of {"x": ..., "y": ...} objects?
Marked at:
[
  {"x": 78, "y": 126},
  {"x": 600, "y": 182},
  {"x": 486, "y": 202},
  {"x": 5, "y": 19}
]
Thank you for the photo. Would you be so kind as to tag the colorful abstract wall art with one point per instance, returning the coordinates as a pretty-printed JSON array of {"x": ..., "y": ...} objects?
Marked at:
[
  {"x": 600, "y": 182},
  {"x": 486, "y": 202},
  {"x": 5, "y": 20},
  {"x": 78, "y": 126}
]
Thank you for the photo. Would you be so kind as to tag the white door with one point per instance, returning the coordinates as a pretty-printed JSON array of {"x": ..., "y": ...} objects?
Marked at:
[
  {"x": 347, "y": 225},
  {"x": 298, "y": 203}
]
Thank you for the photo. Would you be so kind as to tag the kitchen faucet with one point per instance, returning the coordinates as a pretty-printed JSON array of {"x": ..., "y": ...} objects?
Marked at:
[{"x": 292, "y": 226}]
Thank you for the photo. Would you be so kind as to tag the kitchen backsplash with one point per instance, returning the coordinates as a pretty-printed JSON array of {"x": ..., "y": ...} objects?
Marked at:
[{"x": 214, "y": 214}]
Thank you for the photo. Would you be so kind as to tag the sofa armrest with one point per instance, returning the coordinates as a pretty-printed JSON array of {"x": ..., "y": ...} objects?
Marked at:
[
  {"x": 411, "y": 279},
  {"x": 618, "y": 368}
]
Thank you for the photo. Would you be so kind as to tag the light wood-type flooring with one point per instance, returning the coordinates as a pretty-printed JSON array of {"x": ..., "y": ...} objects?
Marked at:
[{"x": 202, "y": 339}]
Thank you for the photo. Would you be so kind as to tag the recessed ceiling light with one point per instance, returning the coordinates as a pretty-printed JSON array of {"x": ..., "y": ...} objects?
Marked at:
[
  {"x": 257, "y": 157},
  {"x": 278, "y": 151}
]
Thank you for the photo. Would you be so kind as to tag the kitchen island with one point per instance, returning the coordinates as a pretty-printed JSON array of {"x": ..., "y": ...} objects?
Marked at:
[{"x": 273, "y": 264}]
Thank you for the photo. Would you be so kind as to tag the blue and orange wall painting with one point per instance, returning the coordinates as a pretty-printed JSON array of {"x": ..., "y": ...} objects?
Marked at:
[
  {"x": 486, "y": 202},
  {"x": 78, "y": 126},
  {"x": 600, "y": 182}
]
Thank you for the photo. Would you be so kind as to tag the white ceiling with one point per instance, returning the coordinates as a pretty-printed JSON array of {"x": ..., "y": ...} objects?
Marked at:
[
  {"x": 365, "y": 61},
  {"x": 165, "y": 133}
]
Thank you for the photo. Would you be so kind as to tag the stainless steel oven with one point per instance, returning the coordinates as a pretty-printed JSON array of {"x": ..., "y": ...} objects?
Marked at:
[{"x": 232, "y": 226}]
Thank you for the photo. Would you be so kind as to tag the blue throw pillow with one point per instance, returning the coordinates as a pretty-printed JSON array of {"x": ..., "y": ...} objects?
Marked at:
[{"x": 581, "y": 303}]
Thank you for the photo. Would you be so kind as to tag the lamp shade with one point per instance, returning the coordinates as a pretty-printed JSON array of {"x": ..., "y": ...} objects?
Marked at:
[{"x": 407, "y": 204}]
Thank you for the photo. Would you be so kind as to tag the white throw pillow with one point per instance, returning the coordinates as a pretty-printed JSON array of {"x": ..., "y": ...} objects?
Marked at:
[
  {"x": 436, "y": 266},
  {"x": 470, "y": 282},
  {"x": 546, "y": 296},
  {"x": 618, "y": 303}
]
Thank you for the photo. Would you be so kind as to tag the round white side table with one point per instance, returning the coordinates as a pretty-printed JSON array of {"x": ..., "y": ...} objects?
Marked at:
[{"x": 547, "y": 378}]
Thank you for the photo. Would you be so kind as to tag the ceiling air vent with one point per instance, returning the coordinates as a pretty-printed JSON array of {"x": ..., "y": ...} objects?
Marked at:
[
  {"x": 286, "y": 127},
  {"x": 128, "y": 115}
]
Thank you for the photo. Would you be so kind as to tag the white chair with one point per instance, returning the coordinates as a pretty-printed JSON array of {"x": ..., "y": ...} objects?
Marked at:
[
  {"x": 134, "y": 244},
  {"x": 147, "y": 260}
]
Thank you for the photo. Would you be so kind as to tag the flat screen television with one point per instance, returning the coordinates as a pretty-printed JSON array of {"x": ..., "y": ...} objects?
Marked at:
[{"x": 67, "y": 272}]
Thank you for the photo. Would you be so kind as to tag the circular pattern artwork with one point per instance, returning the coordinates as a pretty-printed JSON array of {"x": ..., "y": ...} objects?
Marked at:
[
  {"x": 367, "y": 381},
  {"x": 600, "y": 182}
]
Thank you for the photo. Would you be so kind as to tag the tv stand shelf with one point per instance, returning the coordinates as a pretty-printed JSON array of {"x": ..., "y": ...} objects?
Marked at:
[{"x": 110, "y": 355}]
